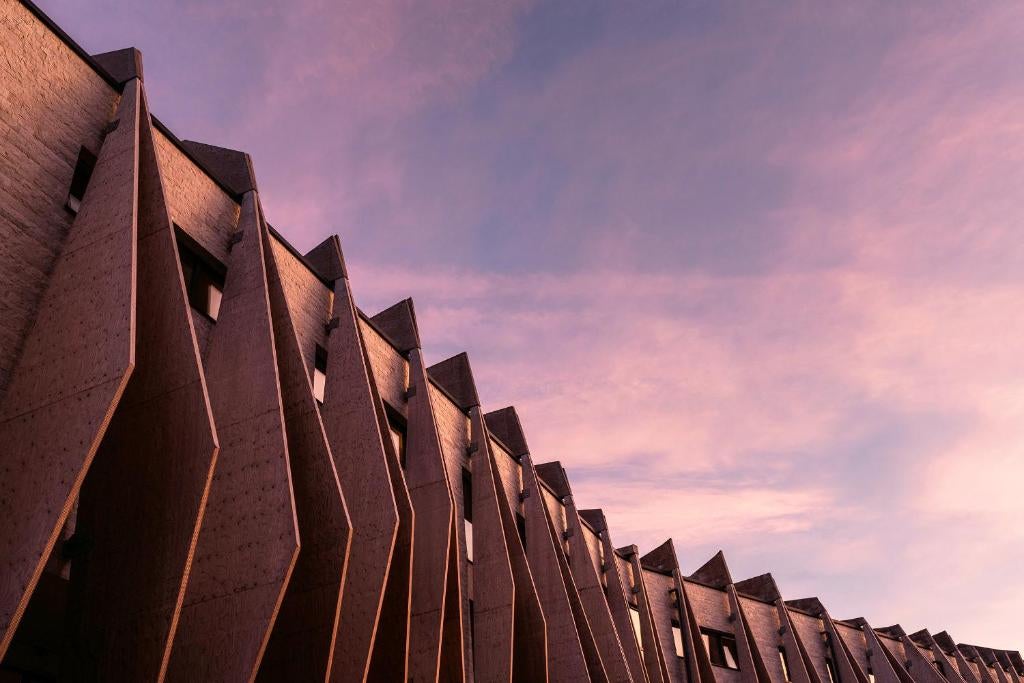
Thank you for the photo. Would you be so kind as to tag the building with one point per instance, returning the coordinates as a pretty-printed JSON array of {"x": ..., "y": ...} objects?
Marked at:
[{"x": 215, "y": 467}]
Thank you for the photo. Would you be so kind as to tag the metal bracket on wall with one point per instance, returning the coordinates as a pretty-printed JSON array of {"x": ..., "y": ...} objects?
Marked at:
[
  {"x": 523, "y": 495},
  {"x": 235, "y": 238}
]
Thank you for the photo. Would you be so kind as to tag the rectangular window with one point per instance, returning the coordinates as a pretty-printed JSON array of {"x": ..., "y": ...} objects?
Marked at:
[
  {"x": 398, "y": 428},
  {"x": 634, "y": 616},
  {"x": 319, "y": 373},
  {"x": 785, "y": 664},
  {"x": 871, "y": 675},
  {"x": 677, "y": 639},
  {"x": 203, "y": 276},
  {"x": 80, "y": 179},
  {"x": 467, "y": 511},
  {"x": 521, "y": 526},
  {"x": 721, "y": 648}
]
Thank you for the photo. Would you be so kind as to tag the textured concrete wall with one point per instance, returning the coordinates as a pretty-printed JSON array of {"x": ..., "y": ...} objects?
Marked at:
[
  {"x": 127, "y": 589},
  {"x": 763, "y": 621},
  {"x": 249, "y": 539},
  {"x": 56, "y": 411},
  {"x": 390, "y": 369},
  {"x": 309, "y": 300},
  {"x": 52, "y": 104},
  {"x": 302, "y": 643},
  {"x": 663, "y": 612}
]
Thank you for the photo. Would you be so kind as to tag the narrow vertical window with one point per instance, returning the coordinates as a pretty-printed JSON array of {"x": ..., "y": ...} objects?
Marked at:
[
  {"x": 398, "y": 430},
  {"x": 634, "y": 616},
  {"x": 871, "y": 674},
  {"x": 785, "y": 664},
  {"x": 521, "y": 526},
  {"x": 203, "y": 276},
  {"x": 467, "y": 511},
  {"x": 319, "y": 374},
  {"x": 80, "y": 179},
  {"x": 677, "y": 639},
  {"x": 830, "y": 668}
]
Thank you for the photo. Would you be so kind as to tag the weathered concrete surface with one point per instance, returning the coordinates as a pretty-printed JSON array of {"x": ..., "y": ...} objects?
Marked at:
[
  {"x": 302, "y": 644},
  {"x": 350, "y": 421},
  {"x": 432, "y": 500},
  {"x": 249, "y": 539},
  {"x": 126, "y": 589},
  {"x": 54, "y": 414}
]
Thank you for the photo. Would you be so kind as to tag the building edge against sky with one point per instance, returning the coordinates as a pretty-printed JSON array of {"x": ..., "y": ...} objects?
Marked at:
[{"x": 216, "y": 467}]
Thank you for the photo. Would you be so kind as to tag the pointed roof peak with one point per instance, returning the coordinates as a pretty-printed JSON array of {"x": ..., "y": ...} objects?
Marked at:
[
  {"x": 810, "y": 605},
  {"x": 455, "y": 376},
  {"x": 398, "y": 323},
  {"x": 661, "y": 559},
  {"x": 595, "y": 518},
  {"x": 762, "y": 587},
  {"x": 327, "y": 260},
  {"x": 896, "y": 631},
  {"x": 230, "y": 166},
  {"x": 714, "y": 572},
  {"x": 122, "y": 65},
  {"x": 553, "y": 474},
  {"x": 505, "y": 426}
]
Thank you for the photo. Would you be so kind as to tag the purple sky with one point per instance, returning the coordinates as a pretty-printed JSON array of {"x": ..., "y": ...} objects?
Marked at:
[{"x": 751, "y": 271}]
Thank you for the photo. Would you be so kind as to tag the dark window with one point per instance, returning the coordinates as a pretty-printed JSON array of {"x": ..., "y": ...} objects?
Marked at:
[
  {"x": 521, "y": 526},
  {"x": 721, "y": 648},
  {"x": 80, "y": 179},
  {"x": 319, "y": 373},
  {"x": 398, "y": 428},
  {"x": 467, "y": 511},
  {"x": 203, "y": 276},
  {"x": 831, "y": 669},
  {"x": 785, "y": 664}
]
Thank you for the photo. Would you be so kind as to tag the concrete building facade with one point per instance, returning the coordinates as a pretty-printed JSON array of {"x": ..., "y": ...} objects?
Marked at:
[{"x": 215, "y": 467}]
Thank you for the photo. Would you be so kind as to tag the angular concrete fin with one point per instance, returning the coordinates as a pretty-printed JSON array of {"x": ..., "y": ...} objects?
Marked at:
[
  {"x": 398, "y": 323},
  {"x": 809, "y": 605},
  {"x": 553, "y": 474},
  {"x": 231, "y": 167},
  {"x": 246, "y": 553},
  {"x": 895, "y": 670},
  {"x": 557, "y": 588},
  {"x": 595, "y": 518},
  {"x": 427, "y": 479},
  {"x": 350, "y": 420},
  {"x": 453, "y": 634},
  {"x": 762, "y": 587},
  {"x": 125, "y": 593},
  {"x": 896, "y": 631},
  {"x": 616, "y": 598},
  {"x": 654, "y": 657},
  {"x": 123, "y": 65},
  {"x": 455, "y": 376},
  {"x": 945, "y": 641},
  {"x": 73, "y": 368},
  {"x": 327, "y": 259},
  {"x": 702, "y": 666},
  {"x": 305, "y": 634},
  {"x": 587, "y": 578},
  {"x": 922, "y": 638},
  {"x": 951, "y": 668},
  {"x": 505, "y": 426},
  {"x": 494, "y": 587},
  {"x": 661, "y": 559},
  {"x": 878, "y": 663},
  {"x": 752, "y": 666},
  {"x": 390, "y": 657},
  {"x": 714, "y": 572}
]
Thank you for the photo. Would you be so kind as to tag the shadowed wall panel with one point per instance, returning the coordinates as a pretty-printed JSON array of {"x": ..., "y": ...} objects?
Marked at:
[
  {"x": 249, "y": 540},
  {"x": 390, "y": 657},
  {"x": 302, "y": 643},
  {"x": 493, "y": 584},
  {"x": 350, "y": 421},
  {"x": 432, "y": 501},
  {"x": 591, "y": 594},
  {"x": 654, "y": 658},
  {"x": 663, "y": 611},
  {"x": 566, "y": 661},
  {"x": 56, "y": 412},
  {"x": 616, "y": 596},
  {"x": 127, "y": 587}
]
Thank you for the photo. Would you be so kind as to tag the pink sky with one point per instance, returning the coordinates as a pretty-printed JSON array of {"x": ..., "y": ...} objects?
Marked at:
[{"x": 749, "y": 270}]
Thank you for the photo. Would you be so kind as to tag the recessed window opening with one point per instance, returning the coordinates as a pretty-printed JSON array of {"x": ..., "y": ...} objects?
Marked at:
[
  {"x": 831, "y": 669},
  {"x": 319, "y": 374},
  {"x": 721, "y": 648},
  {"x": 677, "y": 639},
  {"x": 203, "y": 276},
  {"x": 398, "y": 429},
  {"x": 467, "y": 511},
  {"x": 80, "y": 179},
  {"x": 634, "y": 617},
  {"x": 785, "y": 664},
  {"x": 521, "y": 527}
]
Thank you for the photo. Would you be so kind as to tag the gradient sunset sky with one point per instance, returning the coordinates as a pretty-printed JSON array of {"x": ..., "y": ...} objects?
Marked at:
[{"x": 753, "y": 271}]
